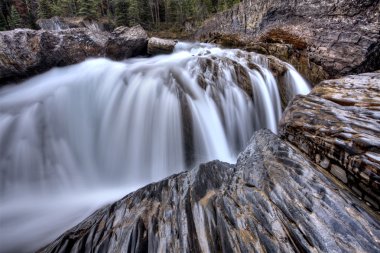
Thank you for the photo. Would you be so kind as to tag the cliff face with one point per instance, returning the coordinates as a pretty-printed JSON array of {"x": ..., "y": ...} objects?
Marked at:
[
  {"x": 323, "y": 39},
  {"x": 272, "y": 200}
]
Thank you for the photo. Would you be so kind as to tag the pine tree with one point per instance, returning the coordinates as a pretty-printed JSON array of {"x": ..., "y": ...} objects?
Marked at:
[
  {"x": 31, "y": 13},
  {"x": 144, "y": 13},
  {"x": 45, "y": 9},
  {"x": 121, "y": 12},
  {"x": 3, "y": 22},
  {"x": 15, "y": 19},
  {"x": 88, "y": 8},
  {"x": 133, "y": 13},
  {"x": 171, "y": 11},
  {"x": 65, "y": 8}
]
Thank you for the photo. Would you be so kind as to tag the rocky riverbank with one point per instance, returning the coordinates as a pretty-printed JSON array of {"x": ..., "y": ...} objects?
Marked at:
[{"x": 322, "y": 39}]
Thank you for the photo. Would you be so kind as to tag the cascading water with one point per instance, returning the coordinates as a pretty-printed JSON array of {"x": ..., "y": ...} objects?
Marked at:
[{"x": 76, "y": 138}]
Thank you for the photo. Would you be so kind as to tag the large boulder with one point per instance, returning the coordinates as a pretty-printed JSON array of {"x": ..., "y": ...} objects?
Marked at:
[
  {"x": 338, "y": 126},
  {"x": 272, "y": 200},
  {"x": 25, "y": 52},
  {"x": 323, "y": 39},
  {"x": 160, "y": 46},
  {"x": 126, "y": 42}
]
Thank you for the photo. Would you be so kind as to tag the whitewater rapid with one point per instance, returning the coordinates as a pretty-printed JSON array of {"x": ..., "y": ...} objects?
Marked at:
[{"x": 79, "y": 137}]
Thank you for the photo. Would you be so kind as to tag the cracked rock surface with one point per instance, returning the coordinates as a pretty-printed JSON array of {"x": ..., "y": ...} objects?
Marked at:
[
  {"x": 272, "y": 200},
  {"x": 338, "y": 126}
]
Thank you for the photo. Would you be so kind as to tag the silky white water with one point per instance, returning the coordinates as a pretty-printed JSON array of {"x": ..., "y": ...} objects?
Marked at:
[{"x": 79, "y": 137}]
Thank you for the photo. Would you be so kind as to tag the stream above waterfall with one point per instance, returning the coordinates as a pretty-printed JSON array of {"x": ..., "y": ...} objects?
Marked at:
[{"x": 79, "y": 137}]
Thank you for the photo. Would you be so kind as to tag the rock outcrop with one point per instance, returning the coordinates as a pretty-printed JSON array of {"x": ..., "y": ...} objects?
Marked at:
[
  {"x": 338, "y": 127},
  {"x": 322, "y": 39},
  {"x": 160, "y": 46},
  {"x": 25, "y": 52},
  {"x": 127, "y": 42},
  {"x": 64, "y": 23},
  {"x": 272, "y": 200}
]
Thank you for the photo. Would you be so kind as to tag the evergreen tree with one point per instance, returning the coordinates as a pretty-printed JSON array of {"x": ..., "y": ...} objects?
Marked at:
[
  {"x": 133, "y": 13},
  {"x": 5, "y": 6},
  {"x": 31, "y": 13},
  {"x": 3, "y": 22},
  {"x": 121, "y": 12},
  {"x": 151, "y": 14},
  {"x": 15, "y": 19},
  {"x": 65, "y": 8},
  {"x": 144, "y": 13},
  {"x": 45, "y": 9},
  {"x": 88, "y": 8},
  {"x": 171, "y": 11}
]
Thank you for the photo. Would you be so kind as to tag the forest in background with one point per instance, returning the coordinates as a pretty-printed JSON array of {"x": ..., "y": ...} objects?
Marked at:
[{"x": 151, "y": 14}]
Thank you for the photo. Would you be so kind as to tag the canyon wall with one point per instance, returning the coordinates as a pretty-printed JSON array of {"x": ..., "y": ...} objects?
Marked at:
[{"x": 323, "y": 39}]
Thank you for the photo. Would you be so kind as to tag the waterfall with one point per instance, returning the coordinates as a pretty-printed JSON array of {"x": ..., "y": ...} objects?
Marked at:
[
  {"x": 296, "y": 82},
  {"x": 78, "y": 137}
]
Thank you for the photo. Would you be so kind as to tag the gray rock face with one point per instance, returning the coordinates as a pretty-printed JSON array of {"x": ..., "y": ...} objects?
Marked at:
[
  {"x": 127, "y": 42},
  {"x": 272, "y": 200},
  {"x": 160, "y": 46},
  {"x": 321, "y": 38},
  {"x": 25, "y": 52},
  {"x": 338, "y": 127}
]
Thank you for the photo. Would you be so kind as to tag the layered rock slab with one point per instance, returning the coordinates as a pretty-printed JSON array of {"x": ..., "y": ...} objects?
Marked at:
[
  {"x": 338, "y": 126},
  {"x": 272, "y": 200},
  {"x": 25, "y": 52}
]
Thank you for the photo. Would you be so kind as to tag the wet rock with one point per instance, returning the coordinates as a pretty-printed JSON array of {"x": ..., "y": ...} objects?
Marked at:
[
  {"x": 160, "y": 46},
  {"x": 299, "y": 59},
  {"x": 212, "y": 69},
  {"x": 272, "y": 200},
  {"x": 63, "y": 23},
  {"x": 127, "y": 42},
  {"x": 338, "y": 127},
  {"x": 323, "y": 39},
  {"x": 212, "y": 73},
  {"x": 277, "y": 67},
  {"x": 25, "y": 52}
]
